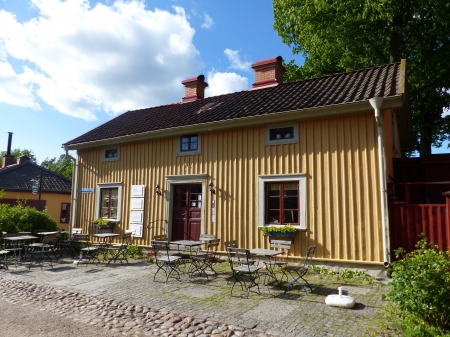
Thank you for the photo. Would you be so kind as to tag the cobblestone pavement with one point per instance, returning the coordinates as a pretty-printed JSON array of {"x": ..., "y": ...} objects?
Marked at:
[{"x": 124, "y": 299}]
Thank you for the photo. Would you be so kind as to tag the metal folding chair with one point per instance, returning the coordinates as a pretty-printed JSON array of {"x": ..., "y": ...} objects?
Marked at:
[
  {"x": 272, "y": 263},
  {"x": 244, "y": 271},
  {"x": 118, "y": 252},
  {"x": 88, "y": 253},
  {"x": 297, "y": 272},
  {"x": 43, "y": 251},
  {"x": 205, "y": 259},
  {"x": 166, "y": 262}
]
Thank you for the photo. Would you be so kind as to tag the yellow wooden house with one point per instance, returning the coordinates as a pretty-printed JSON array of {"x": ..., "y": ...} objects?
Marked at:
[{"x": 316, "y": 154}]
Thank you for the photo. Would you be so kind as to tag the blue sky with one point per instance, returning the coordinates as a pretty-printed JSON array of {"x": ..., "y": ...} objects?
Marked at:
[{"x": 69, "y": 66}]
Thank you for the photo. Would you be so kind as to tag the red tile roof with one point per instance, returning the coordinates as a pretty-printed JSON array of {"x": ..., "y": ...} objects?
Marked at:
[{"x": 351, "y": 87}]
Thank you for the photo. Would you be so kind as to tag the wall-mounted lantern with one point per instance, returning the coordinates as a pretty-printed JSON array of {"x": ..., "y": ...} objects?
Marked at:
[
  {"x": 158, "y": 190},
  {"x": 211, "y": 189}
]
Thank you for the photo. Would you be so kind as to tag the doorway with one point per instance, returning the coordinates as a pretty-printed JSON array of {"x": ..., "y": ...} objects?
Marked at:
[{"x": 187, "y": 212}]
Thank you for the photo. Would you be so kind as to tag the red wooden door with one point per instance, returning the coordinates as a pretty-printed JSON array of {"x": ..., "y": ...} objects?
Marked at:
[{"x": 187, "y": 210}]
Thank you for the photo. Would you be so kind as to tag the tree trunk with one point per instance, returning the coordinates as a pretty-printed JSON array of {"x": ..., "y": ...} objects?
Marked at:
[{"x": 425, "y": 147}]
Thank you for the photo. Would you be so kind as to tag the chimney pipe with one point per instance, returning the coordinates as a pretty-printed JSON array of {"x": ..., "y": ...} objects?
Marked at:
[
  {"x": 8, "y": 150},
  {"x": 7, "y": 158}
]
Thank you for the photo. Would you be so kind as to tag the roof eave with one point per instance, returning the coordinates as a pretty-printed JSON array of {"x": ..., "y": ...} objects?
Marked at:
[{"x": 302, "y": 114}]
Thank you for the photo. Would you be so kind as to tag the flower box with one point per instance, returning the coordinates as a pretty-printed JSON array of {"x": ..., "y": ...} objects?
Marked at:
[
  {"x": 282, "y": 231},
  {"x": 280, "y": 235}
]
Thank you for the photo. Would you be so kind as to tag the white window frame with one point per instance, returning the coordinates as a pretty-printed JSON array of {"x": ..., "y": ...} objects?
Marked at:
[
  {"x": 300, "y": 178},
  {"x": 99, "y": 197},
  {"x": 292, "y": 140},
  {"x": 189, "y": 153},
  {"x": 104, "y": 158}
]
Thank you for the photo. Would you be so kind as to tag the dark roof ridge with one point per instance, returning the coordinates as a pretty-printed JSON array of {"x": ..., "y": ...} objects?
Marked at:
[
  {"x": 28, "y": 162},
  {"x": 343, "y": 73}
]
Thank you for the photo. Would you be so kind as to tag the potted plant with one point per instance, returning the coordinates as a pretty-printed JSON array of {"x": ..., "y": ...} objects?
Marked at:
[{"x": 284, "y": 231}]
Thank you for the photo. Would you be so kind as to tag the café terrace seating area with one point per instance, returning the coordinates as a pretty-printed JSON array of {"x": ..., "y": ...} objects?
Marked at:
[{"x": 247, "y": 270}]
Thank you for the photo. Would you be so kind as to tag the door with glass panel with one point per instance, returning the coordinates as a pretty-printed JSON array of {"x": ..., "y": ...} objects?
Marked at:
[{"x": 187, "y": 210}]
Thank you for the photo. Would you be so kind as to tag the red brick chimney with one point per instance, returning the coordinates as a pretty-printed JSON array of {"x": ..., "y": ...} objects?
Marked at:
[
  {"x": 7, "y": 158},
  {"x": 194, "y": 88},
  {"x": 22, "y": 159},
  {"x": 268, "y": 72}
]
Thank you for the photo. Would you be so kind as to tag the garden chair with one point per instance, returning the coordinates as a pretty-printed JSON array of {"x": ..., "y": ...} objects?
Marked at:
[
  {"x": 119, "y": 251},
  {"x": 297, "y": 273},
  {"x": 205, "y": 259},
  {"x": 162, "y": 237},
  {"x": 284, "y": 246},
  {"x": 43, "y": 251},
  {"x": 164, "y": 261},
  {"x": 88, "y": 253},
  {"x": 234, "y": 244},
  {"x": 245, "y": 272}
]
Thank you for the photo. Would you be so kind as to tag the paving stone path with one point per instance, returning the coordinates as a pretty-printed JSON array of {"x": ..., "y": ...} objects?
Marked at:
[{"x": 125, "y": 300}]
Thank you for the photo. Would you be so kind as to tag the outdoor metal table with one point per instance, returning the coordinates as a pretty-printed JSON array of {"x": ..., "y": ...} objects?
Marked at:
[
  {"x": 16, "y": 241},
  {"x": 105, "y": 241},
  {"x": 270, "y": 254},
  {"x": 185, "y": 249}
]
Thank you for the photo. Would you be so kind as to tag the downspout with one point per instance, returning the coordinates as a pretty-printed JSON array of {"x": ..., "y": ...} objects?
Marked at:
[
  {"x": 376, "y": 103},
  {"x": 73, "y": 202}
]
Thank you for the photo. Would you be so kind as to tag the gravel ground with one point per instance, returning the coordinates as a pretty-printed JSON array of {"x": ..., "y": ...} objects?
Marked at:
[{"x": 29, "y": 320}]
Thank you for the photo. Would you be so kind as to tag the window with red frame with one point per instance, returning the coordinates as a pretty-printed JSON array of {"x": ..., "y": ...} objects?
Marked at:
[
  {"x": 282, "y": 203},
  {"x": 109, "y": 203}
]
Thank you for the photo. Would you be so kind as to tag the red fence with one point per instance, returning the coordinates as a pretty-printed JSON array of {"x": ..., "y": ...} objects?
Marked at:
[
  {"x": 407, "y": 221},
  {"x": 420, "y": 201}
]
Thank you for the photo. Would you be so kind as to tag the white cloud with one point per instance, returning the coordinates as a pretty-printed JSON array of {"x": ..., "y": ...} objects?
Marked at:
[
  {"x": 224, "y": 83},
  {"x": 236, "y": 63},
  {"x": 15, "y": 89},
  {"x": 208, "y": 22},
  {"x": 81, "y": 60}
]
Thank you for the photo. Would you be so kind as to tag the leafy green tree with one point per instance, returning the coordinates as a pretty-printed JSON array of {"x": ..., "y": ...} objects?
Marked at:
[
  {"x": 338, "y": 36},
  {"x": 16, "y": 153},
  {"x": 62, "y": 166}
]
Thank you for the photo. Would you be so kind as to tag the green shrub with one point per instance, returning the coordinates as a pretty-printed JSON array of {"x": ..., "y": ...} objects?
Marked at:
[
  {"x": 420, "y": 291},
  {"x": 20, "y": 218},
  {"x": 134, "y": 251}
]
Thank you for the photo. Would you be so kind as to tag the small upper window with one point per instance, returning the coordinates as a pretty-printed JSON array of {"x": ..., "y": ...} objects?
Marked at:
[
  {"x": 188, "y": 145},
  {"x": 281, "y": 134},
  {"x": 111, "y": 154}
]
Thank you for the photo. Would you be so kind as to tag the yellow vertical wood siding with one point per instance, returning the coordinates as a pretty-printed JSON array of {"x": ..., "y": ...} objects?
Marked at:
[{"x": 337, "y": 154}]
